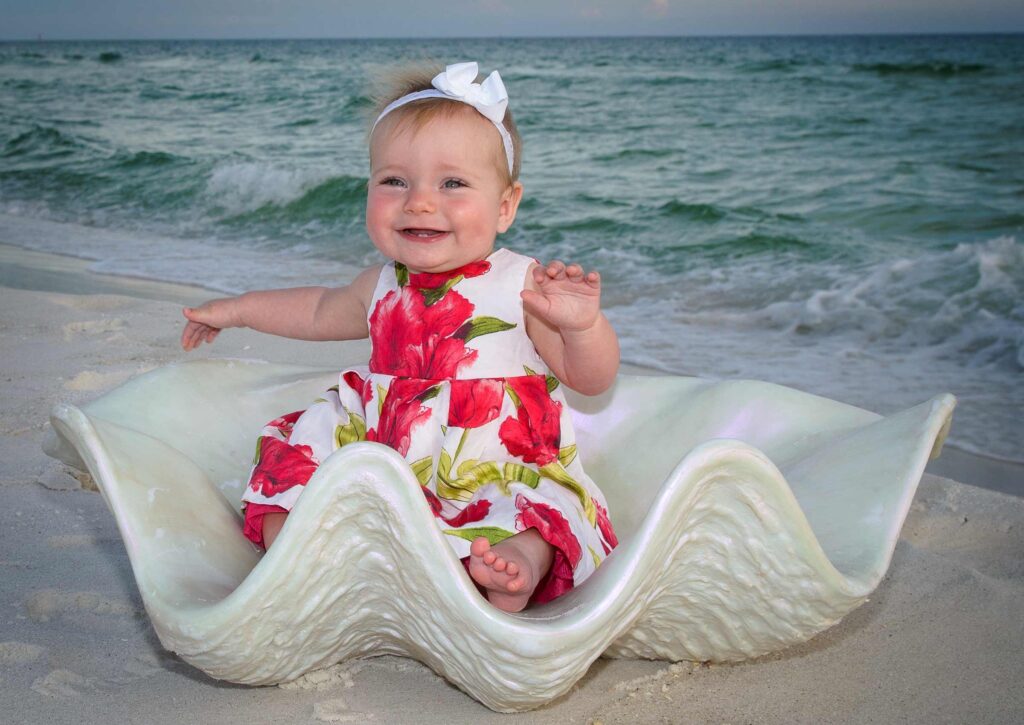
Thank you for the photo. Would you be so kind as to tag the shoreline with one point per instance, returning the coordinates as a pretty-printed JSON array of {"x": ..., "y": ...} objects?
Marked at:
[
  {"x": 29, "y": 269},
  {"x": 977, "y": 469}
]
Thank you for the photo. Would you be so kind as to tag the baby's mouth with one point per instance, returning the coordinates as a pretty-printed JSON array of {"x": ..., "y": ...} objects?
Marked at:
[{"x": 423, "y": 235}]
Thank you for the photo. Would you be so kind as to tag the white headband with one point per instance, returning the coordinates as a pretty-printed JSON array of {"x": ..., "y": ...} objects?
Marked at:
[{"x": 456, "y": 83}]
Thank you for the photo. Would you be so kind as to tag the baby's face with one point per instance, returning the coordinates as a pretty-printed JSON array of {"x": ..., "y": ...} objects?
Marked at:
[{"x": 436, "y": 200}]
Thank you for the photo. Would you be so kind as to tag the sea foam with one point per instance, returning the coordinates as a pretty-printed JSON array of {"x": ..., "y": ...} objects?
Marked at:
[{"x": 246, "y": 186}]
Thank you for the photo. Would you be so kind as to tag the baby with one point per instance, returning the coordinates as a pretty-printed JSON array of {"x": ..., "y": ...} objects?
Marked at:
[{"x": 470, "y": 346}]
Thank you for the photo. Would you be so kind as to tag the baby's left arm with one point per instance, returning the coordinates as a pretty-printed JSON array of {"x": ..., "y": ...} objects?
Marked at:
[{"x": 565, "y": 323}]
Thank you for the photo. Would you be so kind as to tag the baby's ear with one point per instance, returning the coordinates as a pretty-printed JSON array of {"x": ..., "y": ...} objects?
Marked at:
[{"x": 510, "y": 199}]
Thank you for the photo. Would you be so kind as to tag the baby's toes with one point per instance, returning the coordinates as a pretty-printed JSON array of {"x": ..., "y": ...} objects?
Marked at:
[
  {"x": 516, "y": 584},
  {"x": 499, "y": 564},
  {"x": 512, "y": 569},
  {"x": 489, "y": 558},
  {"x": 480, "y": 546}
]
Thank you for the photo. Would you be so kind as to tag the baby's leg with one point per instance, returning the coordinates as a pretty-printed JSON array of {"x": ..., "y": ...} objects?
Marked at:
[
  {"x": 272, "y": 523},
  {"x": 511, "y": 569}
]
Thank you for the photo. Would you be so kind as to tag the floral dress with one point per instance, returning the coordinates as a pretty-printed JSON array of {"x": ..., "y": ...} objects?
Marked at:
[{"x": 456, "y": 386}]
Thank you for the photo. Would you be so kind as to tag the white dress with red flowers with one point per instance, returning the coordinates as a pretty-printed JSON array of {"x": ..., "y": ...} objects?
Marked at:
[{"x": 456, "y": 386}]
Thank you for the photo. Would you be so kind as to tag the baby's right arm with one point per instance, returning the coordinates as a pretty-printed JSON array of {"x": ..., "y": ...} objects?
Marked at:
[{"x": 303, "y": 313}]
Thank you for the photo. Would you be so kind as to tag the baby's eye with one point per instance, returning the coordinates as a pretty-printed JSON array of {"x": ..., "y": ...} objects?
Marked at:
[
  {"x": 392, "y": 181},
  {"x": 454, "y": 184}
]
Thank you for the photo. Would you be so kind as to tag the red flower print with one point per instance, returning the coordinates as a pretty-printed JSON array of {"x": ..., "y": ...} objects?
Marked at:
[
  {"x": 476, "y": 511},
  {"x": 605, "y": 526},
  {"x": 402, "y": 412},
  {"x": 433, "y": 500},
  {"x": 285, "y": 423},
  {"x": 281, "y": 466},
  {"x": 354, "y": 381},
  {"x": 412, "y": 339},
  {"x": 475, "y": 402},
  {"x": 550, "y": 524},
  {"x": 432, "y": 280},
  {"x": 535, "y": 432}
]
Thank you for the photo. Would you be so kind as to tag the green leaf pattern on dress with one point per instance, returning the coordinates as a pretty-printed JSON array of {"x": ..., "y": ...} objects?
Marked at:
[
  {"x": 493, "y": 533},
  {"x": 557, "y": 473},
  {"x": 482, "y": 325},
  {"x": 354, "y": 430},
  {"x": 423, "y": 468}
]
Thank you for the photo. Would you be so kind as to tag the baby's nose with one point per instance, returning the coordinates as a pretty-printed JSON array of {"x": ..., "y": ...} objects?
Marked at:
[{"x": 420, "y": 200}]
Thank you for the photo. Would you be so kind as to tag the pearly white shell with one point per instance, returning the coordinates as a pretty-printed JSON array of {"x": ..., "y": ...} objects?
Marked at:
[{"x": 750, "y": 517}]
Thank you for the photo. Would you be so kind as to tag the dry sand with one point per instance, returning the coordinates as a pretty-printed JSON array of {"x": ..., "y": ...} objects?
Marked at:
[{"x": 941, "y": 640}]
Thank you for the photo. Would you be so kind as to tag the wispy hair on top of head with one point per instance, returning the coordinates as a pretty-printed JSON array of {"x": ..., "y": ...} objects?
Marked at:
[{"x": 397, "y": 82}]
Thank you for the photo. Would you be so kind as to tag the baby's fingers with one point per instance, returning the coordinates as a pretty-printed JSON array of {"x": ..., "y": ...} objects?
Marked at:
[
  {"x": 574, "y": 272},
  {"x": 535, "y": 303},
  {"x": 543, "y": 272},
  {"x": 194, "y": 334},
  {"x": 187, "y": 333},
  {"x": 555, "y": 269}
]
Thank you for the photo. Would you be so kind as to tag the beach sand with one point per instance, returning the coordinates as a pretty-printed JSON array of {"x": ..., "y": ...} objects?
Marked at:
[{"x": 941, "y": 640}]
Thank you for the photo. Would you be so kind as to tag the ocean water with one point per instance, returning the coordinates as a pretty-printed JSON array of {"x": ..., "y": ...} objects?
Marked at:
[{"x": 843, "y": 215}]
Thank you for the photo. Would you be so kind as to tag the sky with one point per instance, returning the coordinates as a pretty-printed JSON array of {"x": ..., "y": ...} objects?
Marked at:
[{"x": 124, "y": 19}]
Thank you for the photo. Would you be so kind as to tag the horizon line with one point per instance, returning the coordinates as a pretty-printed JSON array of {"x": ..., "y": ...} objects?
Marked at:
[{"x": 40, "y": 38}]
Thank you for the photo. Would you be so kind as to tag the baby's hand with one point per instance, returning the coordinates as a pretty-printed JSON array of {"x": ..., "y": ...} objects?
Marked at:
[
  {"x": 565, "y": 298},
  {"x": 206, "y": 321}
]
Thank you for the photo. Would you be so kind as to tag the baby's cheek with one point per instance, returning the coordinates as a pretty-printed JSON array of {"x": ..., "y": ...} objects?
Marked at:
[
  {"x": 374, "y": 206},
  {"x": 472, "y": 213},
  {"x": 377, "y": 213}
]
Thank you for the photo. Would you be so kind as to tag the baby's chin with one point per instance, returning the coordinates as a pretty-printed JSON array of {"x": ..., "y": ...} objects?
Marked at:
[{"x": 433, "y": 259}]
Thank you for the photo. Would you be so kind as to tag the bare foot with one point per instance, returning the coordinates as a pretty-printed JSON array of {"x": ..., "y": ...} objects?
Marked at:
[{"x": 511, "y": 569}]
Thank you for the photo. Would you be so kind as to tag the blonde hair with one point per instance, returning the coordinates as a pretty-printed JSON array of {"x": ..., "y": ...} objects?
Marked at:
[{"x": 393, "y": 83}]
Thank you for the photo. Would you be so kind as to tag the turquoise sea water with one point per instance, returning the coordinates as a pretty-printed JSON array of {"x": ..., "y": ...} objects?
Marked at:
[{"x": 843, "y": 215}]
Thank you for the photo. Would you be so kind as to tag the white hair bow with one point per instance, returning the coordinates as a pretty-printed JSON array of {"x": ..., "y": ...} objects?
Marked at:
[
  {"x": 489, "y": 97},
  {"x": 457, "y": 83}
]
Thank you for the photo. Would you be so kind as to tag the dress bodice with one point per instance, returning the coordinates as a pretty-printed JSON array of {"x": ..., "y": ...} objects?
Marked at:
[{"x": 466, "y": 323}]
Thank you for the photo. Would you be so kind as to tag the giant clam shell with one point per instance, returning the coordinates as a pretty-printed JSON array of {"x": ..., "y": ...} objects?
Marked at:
[{"x": 750, "y": 516}]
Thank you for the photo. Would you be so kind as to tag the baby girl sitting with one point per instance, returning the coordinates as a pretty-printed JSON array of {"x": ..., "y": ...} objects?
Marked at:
[{"x": 470, "y": 348}]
